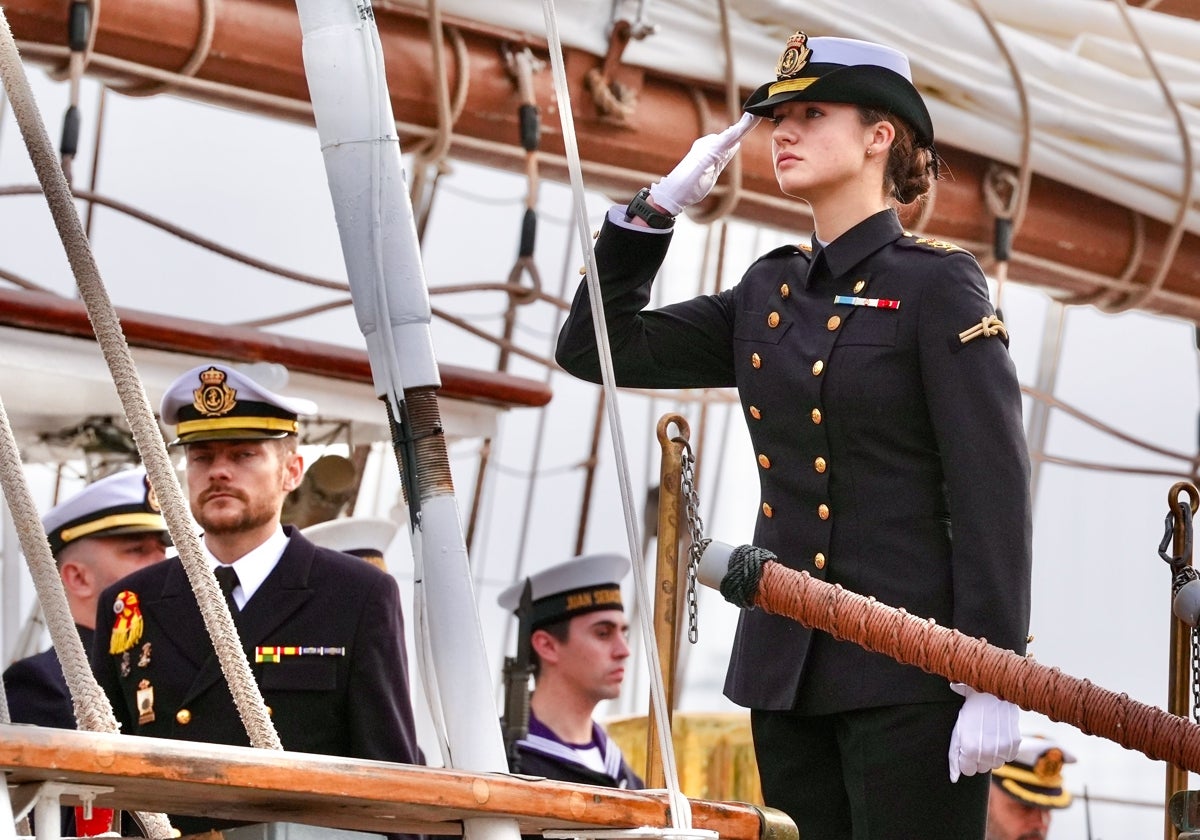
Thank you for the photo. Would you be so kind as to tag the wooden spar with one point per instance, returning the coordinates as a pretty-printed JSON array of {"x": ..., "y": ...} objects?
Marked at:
[
  {"x": 66, "y": 316},
  {"x": 666, "y": 579},
  {"x": 1074, "y": 243},
  {"x": 219, "y": 781}
]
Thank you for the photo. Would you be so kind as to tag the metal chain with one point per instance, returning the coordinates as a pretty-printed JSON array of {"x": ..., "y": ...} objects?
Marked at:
[
  {"x": 1196, "y": 674},
  {"x": 695, "y": 533}
]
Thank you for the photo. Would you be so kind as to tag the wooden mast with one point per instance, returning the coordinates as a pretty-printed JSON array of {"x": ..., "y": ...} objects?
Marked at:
[{"x": 1070, "y": 242}]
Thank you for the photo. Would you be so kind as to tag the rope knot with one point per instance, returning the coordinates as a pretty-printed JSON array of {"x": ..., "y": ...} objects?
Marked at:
[{"x": 740, "y": 584}]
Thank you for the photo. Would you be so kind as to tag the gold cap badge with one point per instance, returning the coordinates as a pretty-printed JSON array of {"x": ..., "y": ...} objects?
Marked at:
[
  {"x": 795, "y": 57},
  {"x": 213, "y": 398}
]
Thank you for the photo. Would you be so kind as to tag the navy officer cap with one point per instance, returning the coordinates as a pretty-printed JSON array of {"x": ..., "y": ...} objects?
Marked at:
[
  {"x": 1034, "y": 777},
  {"x": 581, "y": 585},
  {"x": 847, "y": 71},
  {"x": 363, "y": 536},
  {"x": 123, "y": 503},
  {"x": 217, "y": 402}
]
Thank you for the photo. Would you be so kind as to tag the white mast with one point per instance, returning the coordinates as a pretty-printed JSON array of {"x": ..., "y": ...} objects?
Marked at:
[{"x": 343, "y": 61}]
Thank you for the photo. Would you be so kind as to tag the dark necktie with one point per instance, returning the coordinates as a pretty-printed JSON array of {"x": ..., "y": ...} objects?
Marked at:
[{"x": 228, "y": 580}]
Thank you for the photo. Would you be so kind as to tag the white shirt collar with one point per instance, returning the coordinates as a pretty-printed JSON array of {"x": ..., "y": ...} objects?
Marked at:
[{"x": 252, "y": 569}]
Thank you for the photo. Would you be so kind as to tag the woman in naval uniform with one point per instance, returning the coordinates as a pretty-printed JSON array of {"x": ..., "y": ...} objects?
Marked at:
[{"x": 885, "y": 416}]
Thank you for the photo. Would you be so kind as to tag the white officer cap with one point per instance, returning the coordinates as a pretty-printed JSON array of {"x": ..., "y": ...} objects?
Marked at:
[
  {"x": 217, "y": 402},
  {"x": 363, "y": 536},
  {"x": 1035, "y": 775},
  {"x": 580, "y": 585},
  {"x": 123, "y": 503}
]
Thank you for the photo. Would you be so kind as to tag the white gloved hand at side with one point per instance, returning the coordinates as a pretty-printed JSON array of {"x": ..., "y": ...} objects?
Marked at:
[
  {"x": 985, "y": 735},
  {"x": 694, "y": 176}
]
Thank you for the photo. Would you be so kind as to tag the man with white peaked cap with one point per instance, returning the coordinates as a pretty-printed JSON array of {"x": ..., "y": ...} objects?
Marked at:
[
  {"x": 323, "y": 631},
  {"x": 108, "y": 529},
  {"x": 578, "y": 637},
  {"x": 1027, "y": 790}
]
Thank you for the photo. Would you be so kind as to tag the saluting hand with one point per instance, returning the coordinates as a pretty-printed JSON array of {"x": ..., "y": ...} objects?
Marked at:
[{"x": 694, "y": 176}]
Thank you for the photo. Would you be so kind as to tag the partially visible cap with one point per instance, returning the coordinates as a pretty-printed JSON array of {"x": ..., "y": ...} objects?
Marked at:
[
  {"x": 580, "y": 585},
  {"x": 123, "y": 503},
  {"x": 847, "y": 71},
  {"x": 363, "y": 536},
  {"x": 1035, "y": 775},
  {"x": 217, "y": 402}
]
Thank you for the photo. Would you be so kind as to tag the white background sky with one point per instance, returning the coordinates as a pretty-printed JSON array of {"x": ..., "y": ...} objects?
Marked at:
[{"x": 1101, "y": 594}]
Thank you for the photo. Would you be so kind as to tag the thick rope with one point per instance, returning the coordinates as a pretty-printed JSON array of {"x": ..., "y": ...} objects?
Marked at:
[
  {"x": 1138, "y": 298},
  {"x": 136, "y": 404},
  {"x": 908, "y": 639},
  {"x": 681, "y": 812}
]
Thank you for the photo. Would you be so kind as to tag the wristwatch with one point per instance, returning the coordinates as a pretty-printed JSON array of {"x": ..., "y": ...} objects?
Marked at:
[{"x": 643, "y": 209}]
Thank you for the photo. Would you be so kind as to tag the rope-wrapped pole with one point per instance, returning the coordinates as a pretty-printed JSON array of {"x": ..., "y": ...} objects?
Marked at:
[{"x": 746, "y": 577}]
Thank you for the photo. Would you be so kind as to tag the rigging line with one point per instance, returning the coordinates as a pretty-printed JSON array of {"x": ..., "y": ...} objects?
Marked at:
[
  {"x": 16, "y": 84},
  {"x": 134, "y": 401},
  {"x": 681, "y": 813},
  {"x": 1171, "y": 244},
  {"x": 94, "y": 176},
  {"x": 432, "y": 153},
  {"x": 1124, "y": 282},
  {"x": 200, "y": 50},
  {"x": 188, "y": 236},
  {"x": 1083, "y": 417},
  {"x": 539, "y": 435},
  {"x": 20, "y": 282},
  {"x": 63, "y": 71},
  {"x": 1116, "y": 468},
  {"x": 1009, "y": 217}
]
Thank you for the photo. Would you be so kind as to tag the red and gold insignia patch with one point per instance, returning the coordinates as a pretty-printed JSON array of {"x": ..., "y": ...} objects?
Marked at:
[{"x": 127, "y": 628}]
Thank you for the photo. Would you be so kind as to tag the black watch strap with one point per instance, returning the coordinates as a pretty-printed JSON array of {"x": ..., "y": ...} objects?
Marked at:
[{"x": 642, "y": 208}]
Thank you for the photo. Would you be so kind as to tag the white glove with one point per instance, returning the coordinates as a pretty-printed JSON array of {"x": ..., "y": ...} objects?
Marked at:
[
  {"x": 985, "y": 735},
  {"x": 694, "y": 176}
]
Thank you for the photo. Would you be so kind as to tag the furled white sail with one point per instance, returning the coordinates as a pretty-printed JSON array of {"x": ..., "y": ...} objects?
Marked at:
[{"x": 1098, "y": 117}]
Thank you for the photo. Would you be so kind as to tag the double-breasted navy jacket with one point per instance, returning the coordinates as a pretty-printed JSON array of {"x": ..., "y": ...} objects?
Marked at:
[
  {"x": 353, "y": 700},
  {"x": 891, "y": 454}
]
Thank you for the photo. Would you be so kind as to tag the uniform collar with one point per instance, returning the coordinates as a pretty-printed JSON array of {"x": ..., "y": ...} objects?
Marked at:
[
  {"x": 252, "y": 569},
  {"x": 855, "y": 245}
]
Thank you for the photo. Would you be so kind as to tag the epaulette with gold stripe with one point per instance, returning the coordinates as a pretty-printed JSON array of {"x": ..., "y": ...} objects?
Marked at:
[{"x": 933, "y": 244}]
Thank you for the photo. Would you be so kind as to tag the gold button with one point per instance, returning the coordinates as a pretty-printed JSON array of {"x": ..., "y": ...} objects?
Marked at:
[
  {"x": 183, "y": 717},
  {"x": 816, "y": 416},
  {"x": 270, "y": 712},
  {"x": 755, "y": 361},
  {"x": 833, "y": 323},
  {"x": 818, "y": 366},
  {"x": 819, "y": 560},
  {"x": 773, "y": 320},
  {"x": 582, "y": 270},
  {"x": 755, "y": 413},
  {"x": 859, "y": 285},
  {"x": 784, "y": 291},
  {"x": 823, "y": 511},
  {"x": 819, "y": 465},
  {"x": 764, "y": 462},
  {"x": 768, "y": 511}
]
